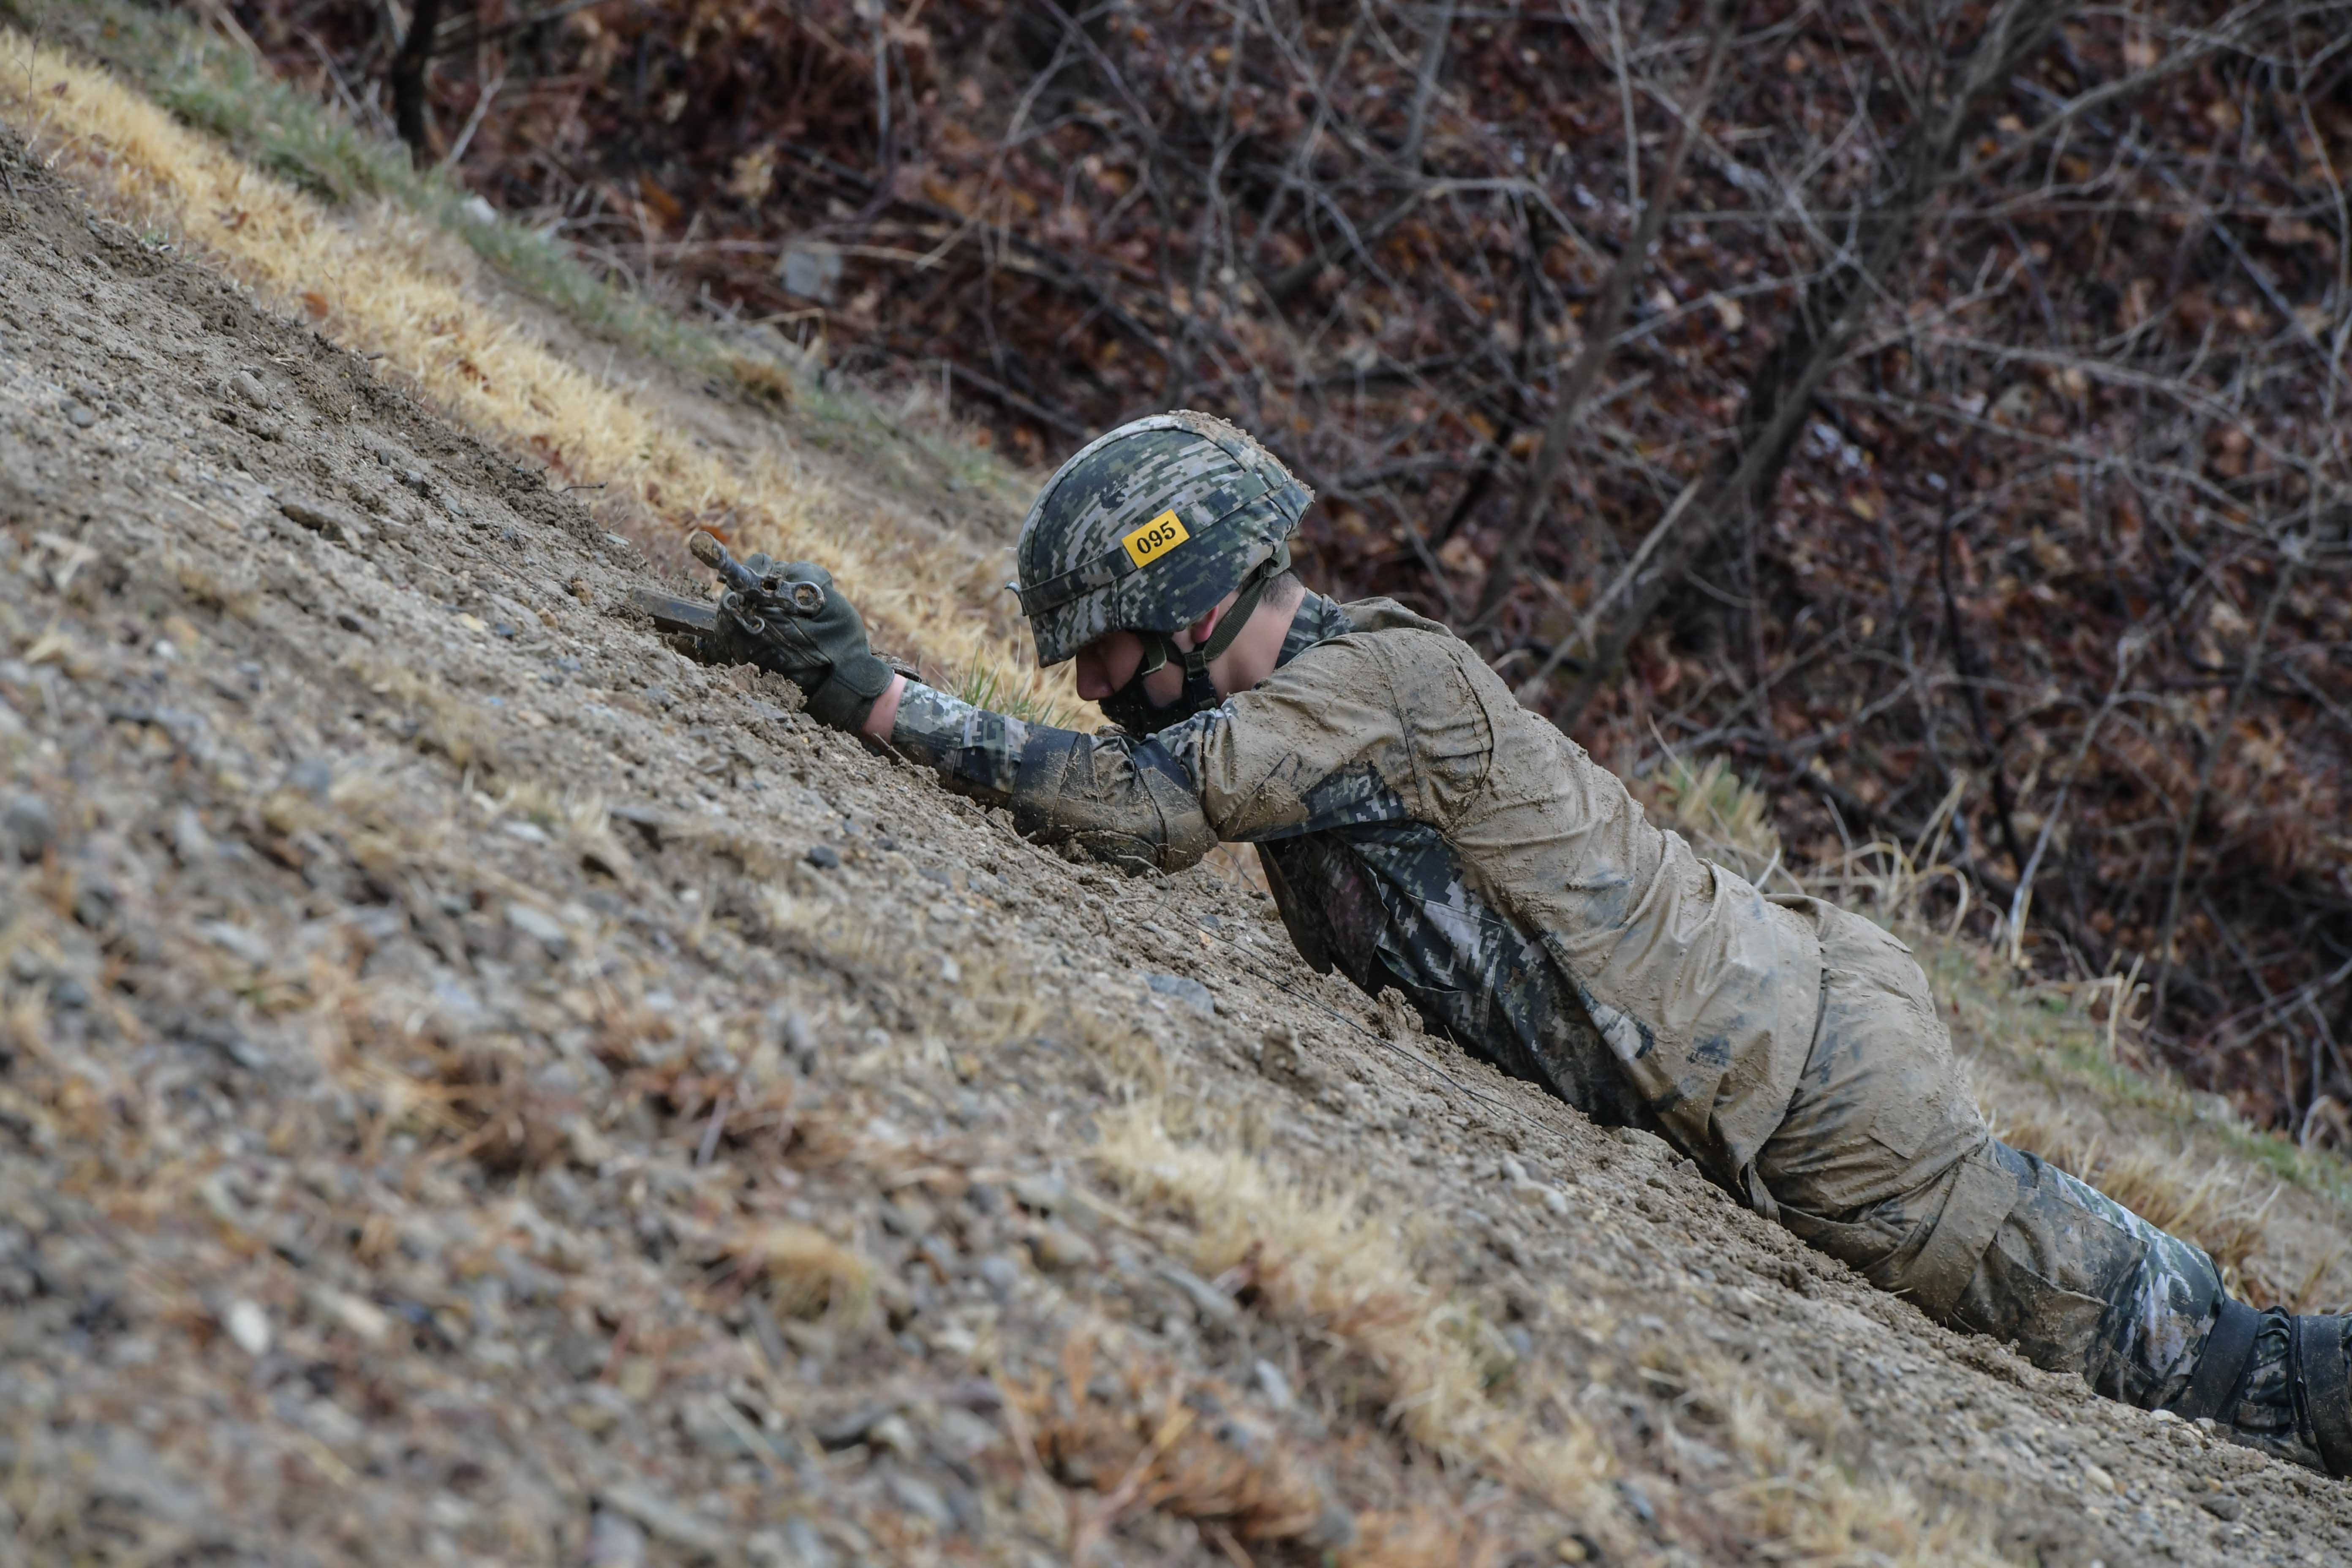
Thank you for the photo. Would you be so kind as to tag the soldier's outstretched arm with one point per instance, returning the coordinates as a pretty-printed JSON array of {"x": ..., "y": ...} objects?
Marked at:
[{"x": 1123, "y": 799}]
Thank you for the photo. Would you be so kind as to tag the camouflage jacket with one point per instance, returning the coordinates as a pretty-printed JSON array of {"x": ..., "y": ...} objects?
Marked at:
[{"x": 1420, "y": 829}]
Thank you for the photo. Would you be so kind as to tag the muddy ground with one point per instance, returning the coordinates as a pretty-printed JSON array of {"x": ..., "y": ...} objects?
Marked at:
[{"x": 476, "y": 1086}]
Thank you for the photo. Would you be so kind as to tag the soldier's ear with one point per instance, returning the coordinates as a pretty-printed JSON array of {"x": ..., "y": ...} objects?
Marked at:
[{"x": 1199, "y": 631}]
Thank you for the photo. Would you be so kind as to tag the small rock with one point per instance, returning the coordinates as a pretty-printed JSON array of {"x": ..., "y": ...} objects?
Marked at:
[
  {"x": 1210, "y": 1304},
  {"x": 668, "y": 1520},
  {"x": 190, "y": 842},
  {"x": 2223, "y": 1506},
  {"x": 29, "y": 823},
  {"x": 921, "y": 1498},
  {"x": 908, "y": 1216},
  {"x": 1280, "y": 1058},
  {"x": 248, "y": 1325},
  {"x": 239, "y": 942},
  {"x": 1059, "y": 1247},
  {"x": 528, "y": 831},
  {"x": 849, "y": 1428},
  {"x": 247, "y": 389},
  {"x": 613, "y": 1542},
  {"x": 891, "y": 1434},
  {"x": 79, "y": 417},
  {"x": 1184, "y": 992},
  {"x": 314, "y": 776},
  {"x": 362, "y": 1318},
  {"x": 648, "y": 822},
  {"x": 2098, "y": 1477},
  {"x": 541, "y": 927},
  {"x": 320, "y": 517},
  {"x": 1001, "y": 1274},
  {"x": 1274, "y": 1386},
  {"x": 823, "y": 856},
  {"x": 637, "y": 1378},
  {"x": 1042, "y": 1193},
  {"x": 807, "y": 1547}
]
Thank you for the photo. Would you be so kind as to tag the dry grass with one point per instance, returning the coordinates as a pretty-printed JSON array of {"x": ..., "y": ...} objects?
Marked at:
[
  {"x": 383, "y": 282},
  {"x": 1141, "y": 1434},
  {"x": 1334, "y": 1263}
]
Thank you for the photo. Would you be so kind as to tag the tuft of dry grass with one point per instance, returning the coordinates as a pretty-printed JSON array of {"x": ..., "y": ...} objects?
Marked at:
[
  {"x": 1142, "y": 1435},
  {"x": 1331, "y": 1261},
  {"x": 394, "y": 286},
  {"x": 1327, "y": 1261},
  {"x": 806, "y": 1272},
  {"x": 1722, "y": 816}
]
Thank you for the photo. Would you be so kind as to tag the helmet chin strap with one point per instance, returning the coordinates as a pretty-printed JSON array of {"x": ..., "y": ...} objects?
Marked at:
[{"x": 1159, "y": 649}]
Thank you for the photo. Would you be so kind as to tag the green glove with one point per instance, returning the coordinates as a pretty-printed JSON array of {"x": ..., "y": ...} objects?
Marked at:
[{"x": 823, "y": 652}]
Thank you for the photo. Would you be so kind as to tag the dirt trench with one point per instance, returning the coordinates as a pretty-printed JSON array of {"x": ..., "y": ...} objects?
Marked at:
[{"x": 475, "y": 1086}]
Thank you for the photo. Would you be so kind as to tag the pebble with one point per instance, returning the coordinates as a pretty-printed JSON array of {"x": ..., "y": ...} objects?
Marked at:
[
  {"x": 637, "y": 1378},
  {"x": 1058, "y": 1249},
  {"x": 1001, "y": 1274},
  {"x": 892, "y": 1435},
  {"x": 249, "y": 390},
  {"x": 1042, "y": 1192},
  {"x": 1184, "y": 992},
  {"x": 541, "y": 927},
  {"x": 79, "y": 417},
  {"x": 29, "y": 823},
  {"x": 613, "y": 1542},
  {"x": 248, "y": 1325},
  {"x": 849, "y": 1428},
  {"x": 1272, "y": 1385},
  {"x": 668, "y": 1520},
  {"x": 2223, "y": 1506},
  {"x": 823, "y": 856},
  {"x": 1210, "y": 1305},
  {"x": 908, "y": 1216},
  {"x": 918, "y": 1497}
]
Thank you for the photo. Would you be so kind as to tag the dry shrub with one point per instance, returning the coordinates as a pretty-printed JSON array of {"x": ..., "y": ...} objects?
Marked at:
[
  {"x": 1323, "y": 1261},
  {"x": 1145, "y": 1434},
  {"x": 1328, "y": 1261}
]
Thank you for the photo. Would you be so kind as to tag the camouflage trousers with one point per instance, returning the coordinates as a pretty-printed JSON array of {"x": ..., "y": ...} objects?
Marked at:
[{"x": 1885, "y": 1164}]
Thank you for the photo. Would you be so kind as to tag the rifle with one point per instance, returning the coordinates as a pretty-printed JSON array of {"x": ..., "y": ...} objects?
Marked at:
[{"x": 730, "y": 630}]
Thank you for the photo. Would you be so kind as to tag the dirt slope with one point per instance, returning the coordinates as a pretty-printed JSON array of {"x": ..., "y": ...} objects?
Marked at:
[{"x": 478, "y": 1087}]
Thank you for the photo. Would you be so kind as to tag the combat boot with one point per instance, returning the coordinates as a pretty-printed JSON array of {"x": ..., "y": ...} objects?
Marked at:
[{"x": 2279, "y": 1383}]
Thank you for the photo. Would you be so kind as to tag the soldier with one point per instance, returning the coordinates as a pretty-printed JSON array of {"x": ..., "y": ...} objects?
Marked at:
[{"x": 1421, "y": 830}]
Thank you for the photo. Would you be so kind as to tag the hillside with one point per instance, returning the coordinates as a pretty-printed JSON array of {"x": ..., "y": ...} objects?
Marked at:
[
  {"x": 477, "y": 1086},
  {"x": 1900, "y": 401}
]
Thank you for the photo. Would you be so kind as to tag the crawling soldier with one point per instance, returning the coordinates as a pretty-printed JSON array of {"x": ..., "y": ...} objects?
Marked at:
[{"x": 1420, "y": 830}]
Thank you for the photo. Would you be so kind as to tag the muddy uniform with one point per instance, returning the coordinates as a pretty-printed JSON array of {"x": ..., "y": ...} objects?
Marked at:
[{"x": 1422, "y": 830}]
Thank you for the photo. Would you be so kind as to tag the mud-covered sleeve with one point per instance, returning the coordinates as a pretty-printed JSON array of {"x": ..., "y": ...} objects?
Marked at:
[
  {"x": 1342, "y": 736},
  {"x": 1124, "y": 802}
]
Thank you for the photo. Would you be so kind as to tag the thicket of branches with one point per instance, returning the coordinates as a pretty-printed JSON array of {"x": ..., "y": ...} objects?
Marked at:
[{"x": 1939, "y": 407}]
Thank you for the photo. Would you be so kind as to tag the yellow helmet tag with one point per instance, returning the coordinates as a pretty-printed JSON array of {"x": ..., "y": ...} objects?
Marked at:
[{"x": 1154, "y": 539}]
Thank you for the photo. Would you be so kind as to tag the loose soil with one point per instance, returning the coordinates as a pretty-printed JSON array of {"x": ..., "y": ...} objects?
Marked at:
[{"x": 475, "y": 1086}]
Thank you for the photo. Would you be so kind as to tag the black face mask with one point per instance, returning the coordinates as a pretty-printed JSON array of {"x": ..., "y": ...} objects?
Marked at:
[{"x": 1132, "y": 708}]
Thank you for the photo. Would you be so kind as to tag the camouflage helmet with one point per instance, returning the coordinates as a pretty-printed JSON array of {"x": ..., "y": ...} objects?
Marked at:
[{"x": 1148, "y": 526}]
